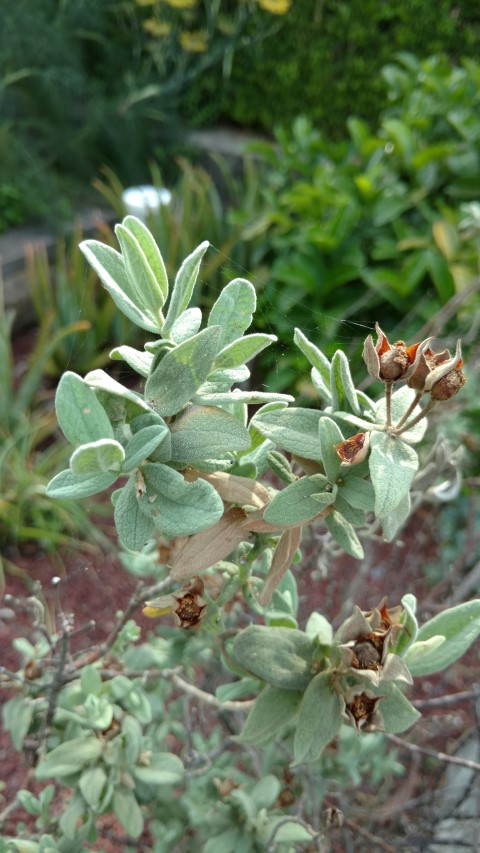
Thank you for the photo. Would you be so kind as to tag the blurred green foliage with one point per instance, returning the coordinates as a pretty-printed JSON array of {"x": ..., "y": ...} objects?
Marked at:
[
  {"x": 91, "y": 83},
  {"x": 326, "y": 57},
  {"x": 378, "y": 226}
]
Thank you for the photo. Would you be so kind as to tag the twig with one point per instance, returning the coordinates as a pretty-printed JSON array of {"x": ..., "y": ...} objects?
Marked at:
[
  {"x": 374, "y": 839},
  {"x": 445, "y": 701},
  {"x": 207, "y": 698},
  {"x": 57, "y": 683},
  {"x": 440, "y": 756},
  {"x": 423, "y": 414},
  {"x": 141, "y": 594},
  {"x": 388, "y": 403},
  {"x": 412, "y": 406}
]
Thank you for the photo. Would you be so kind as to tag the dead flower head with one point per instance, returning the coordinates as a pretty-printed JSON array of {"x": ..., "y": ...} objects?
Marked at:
[
  {"x": 361, "y": 711},
  {"x": 353, "y": 450},
  {"x": 439, "y": 373},
  {"x": 391, "y": 362},
  {"x": 187, "y": 605},
  {"x": 363, "y": 643}
]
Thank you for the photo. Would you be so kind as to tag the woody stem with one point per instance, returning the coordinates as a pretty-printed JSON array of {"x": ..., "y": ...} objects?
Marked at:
[
  {"x": 415, "y": 402},
  {"x": 388, "y": 402},
  {"x": 423, "y": 414}
]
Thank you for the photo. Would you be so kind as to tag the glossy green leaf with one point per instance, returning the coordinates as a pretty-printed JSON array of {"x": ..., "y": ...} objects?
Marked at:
[
  {"x": 319, "y": 719},
  {"x": 202, "y": 431},
  {"x": 80, "y": 415},
  {"x": 295, "y": 503},
  {"x": 66, "y": 484},
  {"x": 233, "y": 310},
  {"x": 279, "y": 656},
  {"x": 97, "y": 457},
  {"x": 181, "y": 371},
  {"x": 295, "y": 430},
  {"x": 134, "y": 526},
  {"x": 459, "y": 625},
  {"x": 178, "y": 508},
  {"x": 183, "y": 286},
  {"x": 393, "y": 465}
]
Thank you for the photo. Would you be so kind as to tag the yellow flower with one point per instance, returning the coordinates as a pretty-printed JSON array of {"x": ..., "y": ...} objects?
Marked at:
[
  {"x": 156, "y": 28},
  {"x": 182, "y": 4},
  {"x": 194, "y": 42},
  {"x": 276, "y": 7}
]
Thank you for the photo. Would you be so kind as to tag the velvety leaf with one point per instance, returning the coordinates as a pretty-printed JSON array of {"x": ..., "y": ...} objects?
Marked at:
[
  {"x": 242, "y": 350},
  {"x": 148, "y": 295},
  {"x": 151, "y": 252},
  {"x": 184, "y": 284},
  {"x": 178, "y": 508},
  {"x": 459, "y": 625},
  {"x": 69, "y": 757},
  {"x": 80, "y": 415},
  {"x": 295, "y": 503},
  {"x": 393, "y": 465},
  {"x": 279, "y": 656},
  {"x": 319, "y": 627},
  {"x": 163, "y": 768},
  {"x": 201, "y": 431},
  {"x": 295, "y": 430},
  {"x": 133, "y": 525},
  {"x": 17, "y": 714},
  {"x": 392, "y": 523},
  {"x": 186, "y": 326},
  {"x": 253, "y": 398},
  {"x": 319, "y": 719},
  {"x": 344, "y": 534},
  {"x": 106, "y": 387},
  {"x": 342, "y": 388},
  {"x": 97, "y": 457},
  {"x": 358, "y": 493},
  {"x": 128, "y": 811},
  {"x": 110, "y": 268},
  {"x": 139, "y": 361},
  {"x": 66, "y": 484},
  {"x": 283, "y": 555},
  {"x": 181, "y": 372},
  {"x": 329, "y": 435},
  {"x": 91, "y": 784},
  {"x": 233, "y": 310},
  {"x": 397, "y": 712},
  {"x": 143, "y": 443},
  {"x": 271, "y": 712},
  {"x": 316, "y": 358}
]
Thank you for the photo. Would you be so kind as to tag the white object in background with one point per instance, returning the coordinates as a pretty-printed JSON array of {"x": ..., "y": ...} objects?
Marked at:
[{"x": 145, "y": 200}]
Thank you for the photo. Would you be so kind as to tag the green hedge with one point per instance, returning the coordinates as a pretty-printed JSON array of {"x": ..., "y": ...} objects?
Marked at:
[{"x": 325, "y": 59}]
